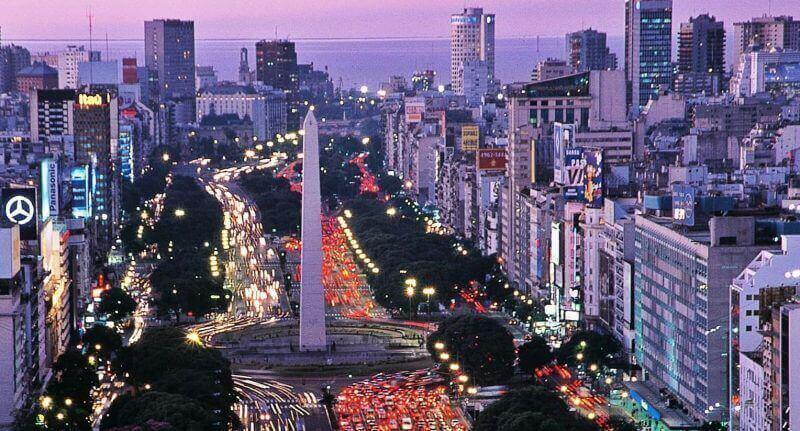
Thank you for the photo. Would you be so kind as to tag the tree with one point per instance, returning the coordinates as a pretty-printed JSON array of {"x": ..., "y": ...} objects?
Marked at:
[
  {"x": 588, "y": 347},
  {"x": 534, "y": 354},
  {"x": 516, "y": 411},
  {"x": 619, "y": 423},
  {"x": 181, "y": 412},
  {"x": 184, "y": 284},
  {"x": 390, "y": 184},
  {"x": 165, "y": 361},
  {"x": 482, "y": 347},
  {"x": 116, "y": 303},
  {"x": 102, "y": 341}
]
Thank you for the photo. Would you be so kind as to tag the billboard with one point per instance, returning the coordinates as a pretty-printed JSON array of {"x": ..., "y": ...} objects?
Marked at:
[
  {"x": 19, "y": 206},
  {"x": 593, "y": 177},
  {"x": 81, "y": 191},
  {"x": 470, "y": 137},
  {"x": 491, "y": 159},
  {"x": 563, "y": 137},
  {"x": 574, "y": 170},
  {"x": 49, "y": 189},
  {"x": 125, "y": 144},
  {"x": 415, "y": 108},
  {"x": 683, "y": 196}
]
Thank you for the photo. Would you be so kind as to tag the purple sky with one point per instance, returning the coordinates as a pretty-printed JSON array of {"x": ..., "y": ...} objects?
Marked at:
[{"x": 53, "y": 19}]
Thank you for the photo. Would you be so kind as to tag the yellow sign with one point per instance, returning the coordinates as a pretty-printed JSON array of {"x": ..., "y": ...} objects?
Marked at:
[
  {"x": 90, "y": 99},
  {"x": 470, "y": 137}
]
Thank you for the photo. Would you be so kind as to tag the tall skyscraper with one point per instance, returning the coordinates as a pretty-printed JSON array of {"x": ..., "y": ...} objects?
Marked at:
[
  {"x": 587, "y": 50},
  {"x": 648, "y": 49},
  {"x": 96, "y": 130},
  {"x": 764, "y": 34},
  {"x": 471, "y": 38},
  {"x": 701, "y": 55},
  {"x": 276, "y": 66},
  {"x": 169, "y": 56}
]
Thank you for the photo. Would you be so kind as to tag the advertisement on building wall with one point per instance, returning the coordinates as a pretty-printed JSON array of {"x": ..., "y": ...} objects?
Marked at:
[
  {"x": 683, "y": 196},
  {"x": 593, "y": 177},
  {"x": 491, "y": 159},
  {"x": 19, "y": 206},
  {"x": 49, "y": 188},
  {"x": 415, "y": 108},
  {"x": 574, "y": 170},
  {"x": 81, "y": 191},
  {"x": 470, "y": 137}
]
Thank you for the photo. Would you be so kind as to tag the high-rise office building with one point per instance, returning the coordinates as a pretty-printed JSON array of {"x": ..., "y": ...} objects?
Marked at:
[
  {"x": 701, "y": 55},
  {"x": 587, "y": 50},
  {"x": 765, "y": 34},
  {"x": 276, "y": 66},
  {"x": 96, "y": 129},
  {"x": 169, "y": 55},
  {"x": 648, "y": 49},
  {"x": 681, "y": 306},
  {"x": 471, "y": 38}
]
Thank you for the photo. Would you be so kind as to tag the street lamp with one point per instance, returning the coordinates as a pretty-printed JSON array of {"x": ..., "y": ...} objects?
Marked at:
[
  {"x": 428, "y": 292},
  {"x": 180, "y": 213},
  {"x": 410, "y": 294}
]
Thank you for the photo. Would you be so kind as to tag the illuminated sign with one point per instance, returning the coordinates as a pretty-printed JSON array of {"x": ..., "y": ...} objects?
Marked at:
[
  {"x": 125, "y": 150},
  {"x": 415, "y": 107},
  {"x": 19, "y": 207},
  {"x": 90, "y": 99},
  {"x": 470, "y": 137},
  {"x": 49, "y": 188},
  {"x": 491, "y": 159},
  {"x": 81, "y": 194}
]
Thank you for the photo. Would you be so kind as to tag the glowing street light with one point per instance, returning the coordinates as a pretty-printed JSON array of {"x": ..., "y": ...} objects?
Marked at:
[
  {"x": 180, "y": 213},
  {"x": 193, "y": 337},
  {"x": 438, "y": 345}
]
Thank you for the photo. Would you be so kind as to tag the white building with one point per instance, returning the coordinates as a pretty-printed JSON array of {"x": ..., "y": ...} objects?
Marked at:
[
  {"x": 263, "y": 108},
  {"x": 68, "y": 64},
  {"x": 471, "y": 38},
  {"x": 770, "y": 279},
  {"x": 760, "y": 72}
]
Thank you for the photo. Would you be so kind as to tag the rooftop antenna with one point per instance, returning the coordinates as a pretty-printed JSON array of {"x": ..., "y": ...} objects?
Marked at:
[{"x": 91, "y": 73}]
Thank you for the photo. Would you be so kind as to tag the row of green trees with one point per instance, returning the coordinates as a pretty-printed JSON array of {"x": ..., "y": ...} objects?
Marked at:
[
  {"x": 67, "y": 401},
  {"x": 174, "y": 381},
  {"x": 484, "y": 350},
  {"x": 187, "y": 234},
  {"x": 402, "y": 249}
]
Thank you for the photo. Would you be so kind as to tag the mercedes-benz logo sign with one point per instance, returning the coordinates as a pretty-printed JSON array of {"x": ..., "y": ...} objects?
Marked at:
[{"x": 20, "y": 210}]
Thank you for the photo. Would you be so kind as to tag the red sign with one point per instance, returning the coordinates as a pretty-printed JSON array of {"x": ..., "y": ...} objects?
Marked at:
[{"x": 491, "y": 159}]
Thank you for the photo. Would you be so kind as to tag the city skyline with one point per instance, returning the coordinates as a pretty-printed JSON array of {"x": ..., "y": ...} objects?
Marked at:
[{"x": 247, "y": 19}]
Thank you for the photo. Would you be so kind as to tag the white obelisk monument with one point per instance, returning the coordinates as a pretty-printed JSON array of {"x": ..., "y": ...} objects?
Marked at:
[{"x": 312, "y": 295}]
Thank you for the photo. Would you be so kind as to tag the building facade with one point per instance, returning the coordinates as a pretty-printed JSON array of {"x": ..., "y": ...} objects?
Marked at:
[
  {"x": 471, "y": 38},
  {"x": 648, "y": 49}
]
